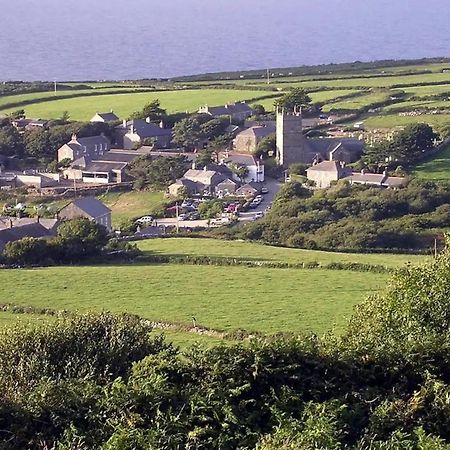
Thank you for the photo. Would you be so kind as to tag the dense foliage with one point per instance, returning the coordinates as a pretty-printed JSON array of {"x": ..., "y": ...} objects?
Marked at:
[
  {"x": 355, "y": 217},
  {"x": 159, "y": 172},
  {"x": 101, "y": 382},
  {"x": 76, "y": 240}
]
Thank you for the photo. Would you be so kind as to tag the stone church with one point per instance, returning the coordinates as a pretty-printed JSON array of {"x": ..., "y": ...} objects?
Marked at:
[{"x": 294, "y": 147}]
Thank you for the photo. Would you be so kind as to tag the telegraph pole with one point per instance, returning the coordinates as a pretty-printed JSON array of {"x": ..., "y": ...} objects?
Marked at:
[{"x": 268, "y": 77}]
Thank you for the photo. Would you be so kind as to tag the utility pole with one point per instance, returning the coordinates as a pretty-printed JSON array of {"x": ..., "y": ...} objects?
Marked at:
[
  {"x": 178, "y": 221},
  {"x": 268, "y": 77},
  {"x": 55, "y": 87}
]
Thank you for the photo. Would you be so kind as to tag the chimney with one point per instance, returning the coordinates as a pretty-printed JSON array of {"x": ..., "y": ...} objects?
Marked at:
[
  {"x": 363, "y": 171},
  {"x": 385, "y": 173},
  {"x": 74, "y": 137},
  {"x": 226, "y": 106},
  {"x": 38, "y": 219},
  {"x": 343, "y": 164},
  {"x": 10, "y": 224},
  {"x": 124, "y": 123},
  {"x": 147, "y": 119},
  {"x": 204, "y": 169},
  {"x": 194, "y": 166},
  {"x": 161, "y": 124}
]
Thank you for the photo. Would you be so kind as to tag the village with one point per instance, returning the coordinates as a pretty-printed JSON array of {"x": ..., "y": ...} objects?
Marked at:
[{"x": 233, "y": 173}]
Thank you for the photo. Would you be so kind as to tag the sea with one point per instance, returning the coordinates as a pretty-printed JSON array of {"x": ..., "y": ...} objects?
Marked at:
[{"x": 133, "y": 39}]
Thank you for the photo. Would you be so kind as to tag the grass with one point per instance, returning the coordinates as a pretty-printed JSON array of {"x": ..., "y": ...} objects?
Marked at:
[
  {"x": 184, "y": 339},
  {"x": 128, "y": 205},
  {"x": 357, "y": 103},
  {"x": 394, "y": 120},
  {"x": 83, "y": 108},
  {"x": 437, "y": 168},
  {"x": 9, "y": 319},
  {"x": 255, "y": 251},
  {"x": 266, "y": 300}
]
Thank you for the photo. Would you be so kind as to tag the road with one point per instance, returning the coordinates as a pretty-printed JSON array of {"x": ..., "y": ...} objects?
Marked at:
[{"x": 271, "y": 184}]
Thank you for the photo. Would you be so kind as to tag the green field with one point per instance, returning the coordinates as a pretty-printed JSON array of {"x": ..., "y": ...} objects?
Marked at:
[
  {"x": 266, "y": 300},
  {"x": 437, "y": 168},
  {"x": 254, "y": 251},
  {"x": 128, "y": 205},
  {"x": 83, "y": 108},
  {"x": 359, "y": 102},
  {"x": 394, "y": 120}
]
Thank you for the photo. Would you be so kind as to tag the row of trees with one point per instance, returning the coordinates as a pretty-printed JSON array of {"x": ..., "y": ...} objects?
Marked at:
[
  {"x": 103, "y": 382},
  {"x": 355, "y": 217}
]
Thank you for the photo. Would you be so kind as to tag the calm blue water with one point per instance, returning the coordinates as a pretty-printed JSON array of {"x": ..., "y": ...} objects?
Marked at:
[{"x": 128, "y": 39}]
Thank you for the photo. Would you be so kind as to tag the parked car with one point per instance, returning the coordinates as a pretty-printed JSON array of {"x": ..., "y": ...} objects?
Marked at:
[
  {"x": 184, "y": 216},
  {"x": 219, "y": 221},
  {"x": 259, "y": 215},
  {"x": 194, "y": 216},
  {"x": 264, "y": 190},
  {"x": 144, "y": 220}
]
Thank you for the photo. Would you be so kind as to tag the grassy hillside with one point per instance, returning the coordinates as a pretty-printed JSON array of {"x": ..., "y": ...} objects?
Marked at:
[
  {"x": 267, "y": 300},
  {"x": 83, "y": 108},
  {"x": 254, "y": 251},
  {"x": 437, "y": 168}
]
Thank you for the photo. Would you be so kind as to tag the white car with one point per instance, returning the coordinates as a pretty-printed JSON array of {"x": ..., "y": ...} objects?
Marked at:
[
  {"x": 144, "y": 220},
  {"x": 259, "y": 215}
]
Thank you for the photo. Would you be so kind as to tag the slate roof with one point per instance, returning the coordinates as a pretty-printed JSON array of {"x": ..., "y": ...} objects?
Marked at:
[
  {"x": 230, "y": 109},
  {"x": 91, "y": 206},
  {"x": 108, "y": 117},
  {"x": 5, "y": 222},
  {"x": 326, "y": 166},
  {"x": 145, "y": 130},
  {"x": 242, "y": 159},
  {"x": 34, "y": 230},
  {"x": 104, "y": 166},
  {"x": 92, "y": 140},
  {"x": 258, "y": 131},
  {"x": 326, "y": 145},
  {"x": 378, "y": 179},
  {"x": 202, "y": 176}
]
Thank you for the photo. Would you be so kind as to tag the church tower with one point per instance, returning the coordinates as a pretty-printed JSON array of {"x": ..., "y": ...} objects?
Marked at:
[{"x": 291, "y": 145}]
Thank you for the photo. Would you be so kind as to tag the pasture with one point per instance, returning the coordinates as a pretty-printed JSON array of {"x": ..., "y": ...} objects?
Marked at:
[
  {"x": 228, "y": 298},
  {"x": 253, "y": 251},
  {"x": 437, "y": 168},
  {"x": 394, "y": 120},
  {"x": 83, "y": 108}
]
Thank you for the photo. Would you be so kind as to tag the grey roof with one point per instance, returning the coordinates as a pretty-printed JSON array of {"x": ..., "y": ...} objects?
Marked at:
[
  {"x": 145, "y": 129},
  {"x": 91, "y": 206},
  {"x": 230, "y": 109},
  {"x": 5, "y": 222},
  {"x": 326, "y": 166},
  {"x": 104, "y": 166},
  {"x": 227, "y": 181},
  {"x": 259, "y": 131},
  {"x": 108, "y": 117},
  {"x": 379, "y": 179},
  {"x": 325, "y": 145},
  {"x": 243, "y": 159},
  {"x": 119, "y": 156},
  {"x": 92, "y": 140},
  {"x": 188, "y": 183},
  {"x": 252, "y": 187},
  {"x": 35, "y": 230},
  {"x": 205, "y": 177}
]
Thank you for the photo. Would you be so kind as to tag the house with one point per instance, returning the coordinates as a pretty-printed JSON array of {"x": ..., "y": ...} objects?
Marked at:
[
  {"x": 135, "y": 132},
  {"x": 294, "y": 147},
  {"x": 151, "y": 231},
  {"x": 192, "y": 187},
  {"x": 375, "y": 179},
  {"x": 29, "y": 124},
  {"x": 248, "y": 190},
  {"x": 226, "y": 187},
  {"x": 247, "y": 141},
  {"x": 14, "y": 229},
  {"x": 236, "y": 111},
  {"x": 326, "y": 172},
  {"x": 254, "y": 166},
  {"x": 34, "y": 180},
  {"x": 90, "y": 208},
  {"x": 105, "y": 117},
  {"x": 91, "y": 147},
  {"x": 209, "y": 179},
  {"x": 107, "y": 168}
]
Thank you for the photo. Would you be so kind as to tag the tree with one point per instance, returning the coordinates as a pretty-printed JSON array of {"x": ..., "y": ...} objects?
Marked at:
[
  {"x": 37, "y": 143},
  {"x": 267, "y": 146},
  {"x": 186, "y": 133},
  {"x": 210, "y": 209},
  {"x": 152, "y": 111},
  {"x": 26, "y": 251},
  {"x": 296, "y": 98},
  {"x": 158, "y": 172},
  {"x": 258, "y": 110},
  {"x": 214, "y": 127},
  {"x": 204, "y": 157},
  {"x": 80, "y": 238},
  {"x": 11, "y": 142},
  {"x": 239, "y": 170},
  {"x": 65, "y": 117}
]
